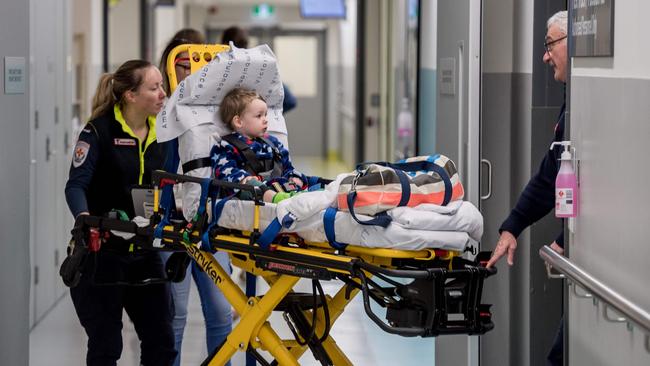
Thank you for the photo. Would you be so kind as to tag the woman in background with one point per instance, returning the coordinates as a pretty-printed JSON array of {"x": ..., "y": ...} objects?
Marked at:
[{"x": 216, "y": 309}]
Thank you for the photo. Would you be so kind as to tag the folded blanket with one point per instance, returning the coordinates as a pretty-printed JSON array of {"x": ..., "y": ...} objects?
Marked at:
[
  {"x": 457, "y": 216},
  {"x": 402, "y": 233}
]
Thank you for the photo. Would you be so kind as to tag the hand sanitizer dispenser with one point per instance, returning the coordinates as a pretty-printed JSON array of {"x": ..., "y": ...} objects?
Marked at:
[{"x": 566, "y": 184}]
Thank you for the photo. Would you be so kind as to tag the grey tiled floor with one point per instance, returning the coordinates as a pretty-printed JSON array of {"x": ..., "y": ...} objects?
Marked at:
[{"x": 59, "y": 340}]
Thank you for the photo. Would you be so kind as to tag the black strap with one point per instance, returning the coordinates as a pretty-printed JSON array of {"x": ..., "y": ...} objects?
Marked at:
[
  {"x": 253, "y": 165},
  {"x": 266, "y": 168},
  {"x": 196, "y": 164},
  {"x": 423, "y": 165},
  {"x": 275, "y": 168},
  {"x": 381, "y": 219}
]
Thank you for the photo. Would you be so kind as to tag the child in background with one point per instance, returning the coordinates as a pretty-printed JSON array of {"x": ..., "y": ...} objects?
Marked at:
[{"x": 249, "y": 155}]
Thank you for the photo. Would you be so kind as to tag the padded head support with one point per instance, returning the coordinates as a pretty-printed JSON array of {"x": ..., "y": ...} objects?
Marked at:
[{"x": 196, "y": 100}]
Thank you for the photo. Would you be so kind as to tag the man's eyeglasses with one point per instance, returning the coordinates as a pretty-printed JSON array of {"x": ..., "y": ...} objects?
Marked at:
[{"x": 548, "y": 45}]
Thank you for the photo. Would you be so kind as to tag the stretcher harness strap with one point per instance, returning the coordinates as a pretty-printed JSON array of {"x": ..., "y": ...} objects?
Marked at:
[
  {"x": 269, "y": 234},
  {"x": 196, "y": 164},
  {"x": 167, "y": 197},
  {"x": 329, "y": 220},
  {"x": 217, "y": 210}
]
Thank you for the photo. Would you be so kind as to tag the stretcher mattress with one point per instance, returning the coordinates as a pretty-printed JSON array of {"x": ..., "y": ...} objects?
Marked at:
[{"x": 453, "y": 227}]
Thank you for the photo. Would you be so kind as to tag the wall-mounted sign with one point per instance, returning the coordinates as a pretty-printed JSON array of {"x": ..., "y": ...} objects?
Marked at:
[
  {"x": 592, "y": 29},
  {"x": 263, "y": 11},
  {"x": 15, "y": 77},
  {"x": 448, "y": 76}
]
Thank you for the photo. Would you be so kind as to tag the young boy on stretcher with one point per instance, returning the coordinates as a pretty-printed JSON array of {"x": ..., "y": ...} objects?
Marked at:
[{"x": 250, "y": 155}]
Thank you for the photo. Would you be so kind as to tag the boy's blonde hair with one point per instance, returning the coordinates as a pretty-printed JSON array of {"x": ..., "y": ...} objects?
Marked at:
[{"x": 234, "y": 103}]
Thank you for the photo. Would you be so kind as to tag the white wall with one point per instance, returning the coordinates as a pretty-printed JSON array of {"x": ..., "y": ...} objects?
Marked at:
[
  {"x": 522, "y": 34},
  {"x": 428, "y": 34},
  {"x": 499, "y": 34},
  {"x": 124, "y": 32},
  {"x": 285, "y": 16},
  {"x": 631, "y": 53},
  {"x": 346, "y": 89},
  {"x": 167, "y": 21},
  {"x": 50, "y": 137},
  {"x": 14, "y": 191},
  {"x": 610, "y": 129}
]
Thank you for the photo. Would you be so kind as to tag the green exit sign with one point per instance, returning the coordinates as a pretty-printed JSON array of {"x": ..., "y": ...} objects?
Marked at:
[{"x": 263, "y": 11}]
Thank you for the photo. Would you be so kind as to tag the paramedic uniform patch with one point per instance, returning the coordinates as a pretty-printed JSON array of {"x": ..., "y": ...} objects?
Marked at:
[
  {"x": 80, "y": 153},
  {"x": 124, "y": 142}
]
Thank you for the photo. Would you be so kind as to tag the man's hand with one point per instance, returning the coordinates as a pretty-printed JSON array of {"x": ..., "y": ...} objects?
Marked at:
[
  {"x": 557, "y": 248},
  {"x": 507, "y": 244}
]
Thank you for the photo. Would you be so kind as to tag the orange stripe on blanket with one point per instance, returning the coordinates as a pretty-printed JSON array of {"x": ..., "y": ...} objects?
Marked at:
[
  {"x": 435, "y": 198},
  {"x": 371, "y": 199},
  {"x": 392, "y": 199}
]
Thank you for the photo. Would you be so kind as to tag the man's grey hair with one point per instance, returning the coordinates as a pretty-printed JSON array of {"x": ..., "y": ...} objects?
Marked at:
[{"x": 559, "y": 19}]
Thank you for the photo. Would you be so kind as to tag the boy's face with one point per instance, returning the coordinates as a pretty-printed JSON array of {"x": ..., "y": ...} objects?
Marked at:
[{"x": 252, "y": 122}]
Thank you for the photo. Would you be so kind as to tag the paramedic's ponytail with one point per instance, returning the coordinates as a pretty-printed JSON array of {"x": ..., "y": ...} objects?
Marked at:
[
  {"x": 103, "y": 99},
  {"x": 112, "y": 87}
]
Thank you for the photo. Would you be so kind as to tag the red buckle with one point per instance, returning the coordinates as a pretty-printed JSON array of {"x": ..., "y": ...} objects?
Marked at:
[
  {"x": 166, "y": 181},
  {"x": 94, "y": 242}
]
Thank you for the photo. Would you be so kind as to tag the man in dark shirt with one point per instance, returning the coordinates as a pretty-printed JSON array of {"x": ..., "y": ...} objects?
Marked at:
[{"x": 538, "y": 198}]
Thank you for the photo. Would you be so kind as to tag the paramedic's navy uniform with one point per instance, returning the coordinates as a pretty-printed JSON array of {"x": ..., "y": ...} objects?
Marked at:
[
  {"x": 108, "y": 160},
  {"x": 230, "y": 162},
  {"x": 537, "y": 199}
]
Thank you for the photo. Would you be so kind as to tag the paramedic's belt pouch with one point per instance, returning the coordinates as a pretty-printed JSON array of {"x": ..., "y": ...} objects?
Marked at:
[
  {"x": 70, "y": 270},
  {"x": 377, "y": 187}
]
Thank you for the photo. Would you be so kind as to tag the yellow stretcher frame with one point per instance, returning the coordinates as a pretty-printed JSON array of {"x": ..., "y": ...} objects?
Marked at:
[
  {"x": 253, "y": 331},
  {"x": 199, "y": 55}
]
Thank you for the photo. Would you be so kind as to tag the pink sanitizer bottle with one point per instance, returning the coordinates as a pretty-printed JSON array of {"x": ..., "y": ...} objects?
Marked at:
[{"x": 566, "y": 184}]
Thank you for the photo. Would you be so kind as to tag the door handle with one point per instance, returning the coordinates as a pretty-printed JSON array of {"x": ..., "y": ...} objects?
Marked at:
[
  {"x": 48, "y": 150},
  {"x": 489, "y": 168}
]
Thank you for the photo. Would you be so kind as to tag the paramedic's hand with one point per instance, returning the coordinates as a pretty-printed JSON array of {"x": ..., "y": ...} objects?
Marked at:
[
  {"x": 297, "y": 181},
  {"x": 557, "y": 248},
  {"x": 507, "y": 244}
]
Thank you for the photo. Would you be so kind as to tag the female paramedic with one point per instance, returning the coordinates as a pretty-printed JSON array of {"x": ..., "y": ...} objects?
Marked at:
[
  {"x": 116, "y": 151},
  {"x": 216, "y": 309}
]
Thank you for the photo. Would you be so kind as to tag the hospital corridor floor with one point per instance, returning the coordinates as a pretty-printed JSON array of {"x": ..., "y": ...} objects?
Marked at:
[{"x": 59, "y": 340}]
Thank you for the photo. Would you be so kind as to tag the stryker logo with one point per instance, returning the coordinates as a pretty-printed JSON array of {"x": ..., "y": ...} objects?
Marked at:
[{"x": 206, "y": 264}]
